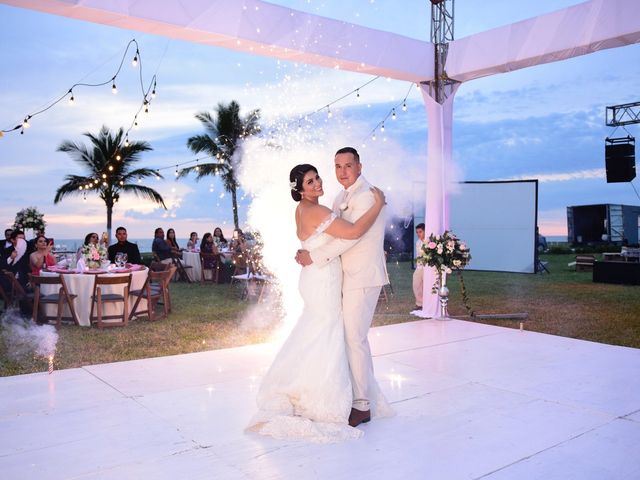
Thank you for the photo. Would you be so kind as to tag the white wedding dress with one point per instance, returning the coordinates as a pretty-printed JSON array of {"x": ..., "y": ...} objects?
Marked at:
[{"x": 306, "y": 394}]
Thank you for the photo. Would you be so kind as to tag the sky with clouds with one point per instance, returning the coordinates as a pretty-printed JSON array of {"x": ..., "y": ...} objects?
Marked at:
[{"x": 545, "y": 122}]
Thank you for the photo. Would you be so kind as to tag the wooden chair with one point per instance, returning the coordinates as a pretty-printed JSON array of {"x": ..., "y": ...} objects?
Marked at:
[
  {"x": 16, "y": 292},
  {"x": 59, "y": 298},
  {"x": 182, "y": 270},
  {"x": 155, "y": 288},
  {"x": 584, "y": 263},
  {"x": 163, "y": 286},
  {"x": 210, "y": 259},
  {"x": 4, "y": 297},
  {"x": 98, "y": 299}
]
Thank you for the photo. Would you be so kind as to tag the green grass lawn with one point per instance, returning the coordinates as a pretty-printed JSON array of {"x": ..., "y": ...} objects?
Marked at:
[{"x": 208, "y": 317}]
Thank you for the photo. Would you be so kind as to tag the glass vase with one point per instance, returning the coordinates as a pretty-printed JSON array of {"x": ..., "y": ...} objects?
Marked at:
[{"x": 443, "y": 296}]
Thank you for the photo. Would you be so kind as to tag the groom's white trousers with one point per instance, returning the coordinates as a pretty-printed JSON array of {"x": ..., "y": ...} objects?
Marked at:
[{"x": 358, "y": 307}]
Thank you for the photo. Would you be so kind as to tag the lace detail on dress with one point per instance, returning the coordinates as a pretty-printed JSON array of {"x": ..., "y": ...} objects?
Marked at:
[
  {"x": 321, "y": 228},
  {"x": 285, "y": 427}
]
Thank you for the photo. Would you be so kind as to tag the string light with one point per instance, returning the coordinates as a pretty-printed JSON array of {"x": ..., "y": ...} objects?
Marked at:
[
  {"x": 393, "y": 114},
  {"x": 404, "y": 106},
  {"x": 114, "y": 89},
  {"x": 134, "y": 62},
  {"x": 118, "y": 157},
  {"x": 382, "y": 127}
]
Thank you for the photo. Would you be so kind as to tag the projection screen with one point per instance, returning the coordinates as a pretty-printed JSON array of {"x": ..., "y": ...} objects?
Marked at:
[{"x": 498, "y": 221}]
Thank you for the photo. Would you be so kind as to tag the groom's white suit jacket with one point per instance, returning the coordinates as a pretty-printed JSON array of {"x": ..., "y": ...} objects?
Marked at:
[{"x": 363, "y": 261}]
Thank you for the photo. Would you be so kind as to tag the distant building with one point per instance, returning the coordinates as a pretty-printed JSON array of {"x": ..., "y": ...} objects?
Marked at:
[{"x": 603, "y": 224}]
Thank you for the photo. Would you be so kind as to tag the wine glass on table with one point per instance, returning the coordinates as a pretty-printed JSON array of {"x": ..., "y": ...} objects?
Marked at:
[
  {"x": 119, "y": 260},
  {"x": 125, "y": 258}
]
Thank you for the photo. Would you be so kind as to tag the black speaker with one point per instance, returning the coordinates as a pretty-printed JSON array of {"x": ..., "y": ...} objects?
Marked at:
[{"x": 620, "y": 160}]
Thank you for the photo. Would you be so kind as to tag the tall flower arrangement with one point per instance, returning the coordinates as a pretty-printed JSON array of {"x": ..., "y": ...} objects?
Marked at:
[
  {"x": 445, "y": 253},
  {"x": 29, "y": 218}
]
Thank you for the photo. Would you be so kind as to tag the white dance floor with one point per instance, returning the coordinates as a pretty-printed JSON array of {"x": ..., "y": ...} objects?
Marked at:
[{"x": 472, "y": 401}]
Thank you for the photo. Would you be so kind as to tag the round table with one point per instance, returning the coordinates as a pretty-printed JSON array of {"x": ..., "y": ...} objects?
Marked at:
[
  {"x": 81, "y": 284},
  {"x": 192, "y": 259}
]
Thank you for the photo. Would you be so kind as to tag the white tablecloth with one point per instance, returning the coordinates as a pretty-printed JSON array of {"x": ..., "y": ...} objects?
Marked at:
[
  {"x": 81, "y": 284},
  {"x": 192, "y": 259}
]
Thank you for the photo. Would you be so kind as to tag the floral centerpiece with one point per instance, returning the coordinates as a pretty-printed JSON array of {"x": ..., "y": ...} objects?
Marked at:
[
  {"x": 29, "y": 218},
  {"x": 94, "y": 255},
  {"x": 446, "y": 253}
]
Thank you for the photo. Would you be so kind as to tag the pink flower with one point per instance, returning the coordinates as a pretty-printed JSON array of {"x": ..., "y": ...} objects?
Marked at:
[
  {"x": 463, "y": 246},
  {"x": 432, "y": 245}
]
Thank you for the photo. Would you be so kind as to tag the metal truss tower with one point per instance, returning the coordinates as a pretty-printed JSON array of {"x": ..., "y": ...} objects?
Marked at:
[
  {"x": 620, "y": 115},
  {"x": 441, "y": 35}
]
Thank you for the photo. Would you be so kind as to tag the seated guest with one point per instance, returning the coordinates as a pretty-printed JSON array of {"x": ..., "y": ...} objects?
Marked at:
[
  {"x": 90, "y": 238},
  {"x": 160, "y": 247},
  {"x": 218, "y": 238},
  {"x": 239, "y": 243},
  {"x": 42, "y": 257},
  {"x": 124, "y": 246},
  {"x": 192, "y": 244},
  {"x": 18, "y": 261},
  {"x": 7, "y": 248},
  {"x": 208, "y": 246},
  {"x": 173, "y": 243}
]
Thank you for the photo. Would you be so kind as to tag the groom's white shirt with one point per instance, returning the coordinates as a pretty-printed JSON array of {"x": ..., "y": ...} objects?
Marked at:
[{"x": 363, "y": 260}]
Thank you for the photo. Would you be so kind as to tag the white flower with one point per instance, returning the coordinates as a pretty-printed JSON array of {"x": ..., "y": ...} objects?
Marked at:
[
  {"x": 292, "y": 185},
  {"x": 448, "y": 270},
  {"x": 456, "y": 263}
]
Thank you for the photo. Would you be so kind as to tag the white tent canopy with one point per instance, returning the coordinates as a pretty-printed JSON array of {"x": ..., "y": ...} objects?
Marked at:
[{"x": 263, "y": 28}]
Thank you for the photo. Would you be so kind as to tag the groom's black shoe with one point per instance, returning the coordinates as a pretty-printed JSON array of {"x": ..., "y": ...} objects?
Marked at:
[{"x": 358, "y": 416}]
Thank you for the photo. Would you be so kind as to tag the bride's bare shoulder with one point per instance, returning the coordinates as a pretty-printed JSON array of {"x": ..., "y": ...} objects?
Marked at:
[{"x": 309, "y": 217}]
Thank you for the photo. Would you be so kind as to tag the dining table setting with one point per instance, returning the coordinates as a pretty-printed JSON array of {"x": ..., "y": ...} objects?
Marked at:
[{"x": 80, "y": 280}]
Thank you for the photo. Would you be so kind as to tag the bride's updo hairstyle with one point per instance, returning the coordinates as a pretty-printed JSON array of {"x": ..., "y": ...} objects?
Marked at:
[{"x": 295, "y": 179}]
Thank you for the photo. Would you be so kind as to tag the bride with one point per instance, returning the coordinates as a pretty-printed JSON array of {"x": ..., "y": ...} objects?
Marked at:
[{"x": 306, "y": 394}]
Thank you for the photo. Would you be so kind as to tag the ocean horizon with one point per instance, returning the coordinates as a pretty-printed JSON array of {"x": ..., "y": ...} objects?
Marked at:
[{"x": 144, "y": 245}]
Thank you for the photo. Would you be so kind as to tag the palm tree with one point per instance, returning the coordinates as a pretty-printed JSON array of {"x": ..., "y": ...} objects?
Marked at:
[
  {"x": 109, "y": 166},
  {"x": 221, "y": 141}
]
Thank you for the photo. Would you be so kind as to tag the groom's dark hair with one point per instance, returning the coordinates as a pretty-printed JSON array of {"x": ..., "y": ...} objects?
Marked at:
[
  {"x": 295, "y": 179},
  {"x": 350, "y": 150}
]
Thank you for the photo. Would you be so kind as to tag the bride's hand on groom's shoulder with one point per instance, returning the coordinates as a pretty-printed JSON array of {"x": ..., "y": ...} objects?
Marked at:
[{"x": 378, "y": 195}]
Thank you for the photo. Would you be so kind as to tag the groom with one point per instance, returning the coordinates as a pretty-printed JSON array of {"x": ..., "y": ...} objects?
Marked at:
[{"x": 364, "y": 273}]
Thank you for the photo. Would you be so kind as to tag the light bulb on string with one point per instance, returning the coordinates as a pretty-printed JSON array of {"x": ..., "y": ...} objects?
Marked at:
[
  {"x": 329, "y": 113},
  {"x": 153, "y": 92},
  {"x": 71, "y": 98},
  {"x": 111, "y": 168},
  {"x": 177, "y": 173},
  {"x": 121, "y": 182},
  {"x": 404, "y": 106},
  {"x": 146, "y": 107},
  {"x": 139, "y": 180},
  {"x": 382, "y": 127},
  {"x": 373, "y": 137},
  {"x": 104, "y": 175},
  {"x": 358, "y": 93},
  {"x": 134, "y": 62},
  {"x": 126, "y": 140},
  {"x": 80, "y": 187},
  {"x": 114, "y": 89},
  {"x": 135, "y": 124},
  {"x": 118, "y": 157},
  {"x": 25, "y": 123},
  {"x": 105, "y": 184},
  {"x": 393, "y": 114}
]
